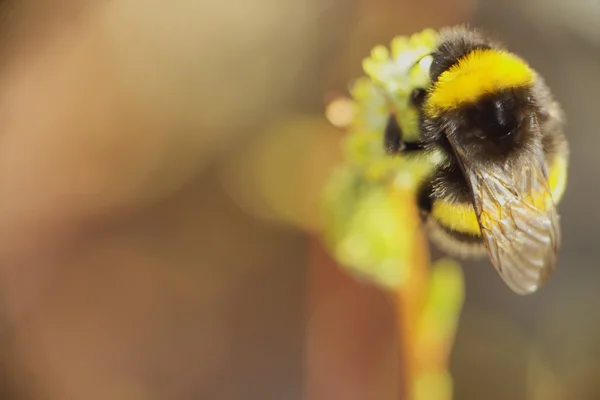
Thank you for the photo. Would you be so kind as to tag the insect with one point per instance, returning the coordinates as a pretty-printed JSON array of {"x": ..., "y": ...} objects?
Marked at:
[{"x": 504, "y": 171}]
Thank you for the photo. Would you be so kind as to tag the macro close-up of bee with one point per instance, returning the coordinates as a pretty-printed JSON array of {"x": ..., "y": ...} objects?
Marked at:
[
  {"x": 299, "y": 200},
  {"x": 504, "y": 157}
]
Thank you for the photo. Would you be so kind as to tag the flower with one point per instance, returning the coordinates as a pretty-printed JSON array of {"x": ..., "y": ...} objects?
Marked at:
[
  {"x": 371, "y": 224},
  {"x": 400, "y": 71},
  {"x": 366, "y": 226}
]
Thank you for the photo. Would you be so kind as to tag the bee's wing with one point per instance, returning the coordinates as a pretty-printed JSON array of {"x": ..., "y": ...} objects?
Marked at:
[{"x": 518, "y": 220}]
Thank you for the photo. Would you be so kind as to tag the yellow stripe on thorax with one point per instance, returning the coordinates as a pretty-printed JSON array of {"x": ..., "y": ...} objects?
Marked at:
[
  {"x": 461, "y": 217},
  {"x": 476, "y": 74}
]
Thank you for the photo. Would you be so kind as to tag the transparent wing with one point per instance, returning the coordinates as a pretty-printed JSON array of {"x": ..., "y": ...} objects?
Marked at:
[
  {"x": 520, "y": 228},
  {"x": 518, "y": 220}
]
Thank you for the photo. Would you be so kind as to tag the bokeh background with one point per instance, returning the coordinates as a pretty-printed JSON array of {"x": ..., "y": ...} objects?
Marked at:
[{"x": 159, "y": 168}]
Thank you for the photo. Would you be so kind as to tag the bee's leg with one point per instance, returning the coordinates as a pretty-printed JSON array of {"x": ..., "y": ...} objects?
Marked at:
[
  {"x": 392, "y": 136},
  {"x": 413, "y": 146},
  {"x": 392, "y": 139},
  {"x": 424, "y": 200}
]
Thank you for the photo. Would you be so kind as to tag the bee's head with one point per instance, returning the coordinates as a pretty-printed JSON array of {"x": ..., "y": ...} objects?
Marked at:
[{"x": 486, "y": 100}]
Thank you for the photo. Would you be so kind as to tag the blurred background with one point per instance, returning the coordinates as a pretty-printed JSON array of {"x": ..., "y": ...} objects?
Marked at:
[{"x": 159, "y": 168}]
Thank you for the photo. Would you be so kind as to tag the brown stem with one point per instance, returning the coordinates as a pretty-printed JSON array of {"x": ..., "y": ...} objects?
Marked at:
[
  {"x": 351, "y": 335},
  {"x": 410, "y": 297}
]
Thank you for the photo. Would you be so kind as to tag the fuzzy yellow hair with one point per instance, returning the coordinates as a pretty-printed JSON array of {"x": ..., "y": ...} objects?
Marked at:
[{"x": 479, "y": 73}]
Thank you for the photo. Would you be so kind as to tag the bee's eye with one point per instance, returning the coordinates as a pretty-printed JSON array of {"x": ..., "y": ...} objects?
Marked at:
[
  {"x": 392, "y": 137},
  {"x": 417, "y": 97}
]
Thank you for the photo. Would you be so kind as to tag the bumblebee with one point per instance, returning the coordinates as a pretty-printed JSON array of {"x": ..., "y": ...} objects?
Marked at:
[{"x": 505, "y": 158}]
